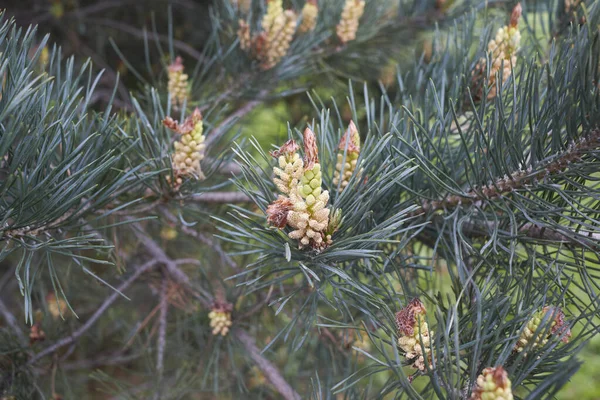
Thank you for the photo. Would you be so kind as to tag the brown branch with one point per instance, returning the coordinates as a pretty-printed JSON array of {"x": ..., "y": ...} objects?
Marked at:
[
  {"x": 162, "y": 334},
  {"x": 12, "y": 322},
  {"x": 113, "y": 359},
  {"x": 219, "y": 197},
  {"x": 92, "y": 320},
  {"x": 224, "y": 126},
  {"x": 201, "y": 237},
  {"x": 141, "y": 34},
  {"x": 517, "y": 180},
  {"x": 534, "y": 231},
  {"x": 174, "y": 271},
  {"x": 269, "y": 370}
]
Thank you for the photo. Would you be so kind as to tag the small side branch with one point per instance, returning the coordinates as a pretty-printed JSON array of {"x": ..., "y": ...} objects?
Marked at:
[
  {"x": 517, "y": 180},
  {"x": 103, "y": 307},
  {"x": 225, "y": 125},
  {"x": 201, "y": 237},
  {"x": 12, "y": 322},
  {"x": 220, "y": 197},
  {"x": 162, "y": 334},
  {"x": 270, "y": 370}
]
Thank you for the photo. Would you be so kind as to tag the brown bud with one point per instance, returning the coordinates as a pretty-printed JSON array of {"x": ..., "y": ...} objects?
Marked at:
[
  {"x": 288, "y": 147},
  {"x": 406, "y": 317},
  {"x": 559, "y": 327},
  {"x": 516, "y": 15},
  {"x": 222, "y": 306},
  {"x": 277, "y": 212},
  {"x": 177, "y": 65},
  {"x": 187, "y": 126},
  {"x": 351, "y": 137},
  {"x": 311, "y": 151}
]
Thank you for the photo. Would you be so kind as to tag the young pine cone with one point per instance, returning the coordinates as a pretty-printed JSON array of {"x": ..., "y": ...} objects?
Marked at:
[
  {"x": 291, "y": 167},
  {"x": 502, "y": 52},
  {"x": 189, "y": 148},
  {"x": 220, "y": 319},
  {"x": 243, "y": 34},
  {"x": 532, "y": 338},
  {"x": 56, "y": 306},
  {"x": 277, "y": 39},
  {"x": 414, "y": 338},
  {"x": 348, "y": 25},
  {"x": 303, "y": 205},
  {"x": 178, "y": 83},
  {"x": 310, "y": 13},
  {"x": 493, "y": 384},
  {"x": 310, "y": 215},
  {"x": 345, "y": 167}
]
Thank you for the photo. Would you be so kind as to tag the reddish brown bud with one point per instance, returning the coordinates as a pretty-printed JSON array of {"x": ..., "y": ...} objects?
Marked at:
[
  {"x": 222, "y": 306},
  {"x": 560, "y": 327},
  {"x": 516, "y": 15},
  {"x": 351, "y": 137},
  {"x": 311, "y": 151},
  {"x": 406, "y": 318},
  {"x": 187, "y": 126},
  {"x": 288, "y": 147},
  {"x": 277, "y": 212},
  {"x": 177, "y": 65}
]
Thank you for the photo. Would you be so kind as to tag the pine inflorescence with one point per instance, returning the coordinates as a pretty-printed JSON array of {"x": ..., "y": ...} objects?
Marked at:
[
  {"x": 220, "y": 318},
  {"x": 414, "y": 337},
  {"x": 272, "y": 43},
  {"x": 346, "y": 166},
  {"x": 502, "y": 52},
  {"x": 349, "y": 22},
  {"x": 493, "y": 384},
  {"x": 189, "y": 147},
  {"x": 303, "y": 205},
  {"x": 548, "y": 322},
  {"x": 178, "y": 85}
]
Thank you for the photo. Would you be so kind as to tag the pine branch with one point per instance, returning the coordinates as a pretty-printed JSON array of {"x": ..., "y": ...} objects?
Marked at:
[
  {"x": 176, "y": 273},
  {"x": 12, "y": 322},
  {"x": 268, "y": 369},
  {"x": 219, "y": 197},
  {"x": 162, "y": 333},
  {"x": 92, "y": 320},
  {"x": 518, "y": 179},
  {"x": 201, "y": 237},
  {"x": 224, "y": 126},
  {"x": 533, "y": 231}
]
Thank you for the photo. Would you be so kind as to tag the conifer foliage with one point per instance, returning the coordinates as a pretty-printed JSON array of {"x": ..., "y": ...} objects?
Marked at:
[{"x": 434, "y": 237}]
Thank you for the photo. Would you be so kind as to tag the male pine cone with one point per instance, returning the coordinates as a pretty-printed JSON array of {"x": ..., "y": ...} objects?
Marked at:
[
  {"x": 493, "y": 384},
  {"x": 345, "y": 166},
  {"x": 414, "y": 337},
  {"x": 502, "y": 51},
  {"x": 303, "y": 205},
  {"x": 536, "y": 333},
  {"x": 178, "y": 83},
  {"x": 348, "y": 25},
  {"x": 310, "y": 13},
  {"x": 189, "y": 148}
]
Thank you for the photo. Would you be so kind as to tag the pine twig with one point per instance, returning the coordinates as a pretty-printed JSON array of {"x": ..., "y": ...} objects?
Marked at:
[
  {"x": 517, "y": 180},
  {"x": 271, "y": 372},
  {"x": 92, "y": 320},
  {"x": 162, "y": 334},
  {"x": 201, "y": 237},
  {"x": 224, "y": 127},
  {"x": 220, "y": 197},
  {"x": 12, "y": 322}
]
